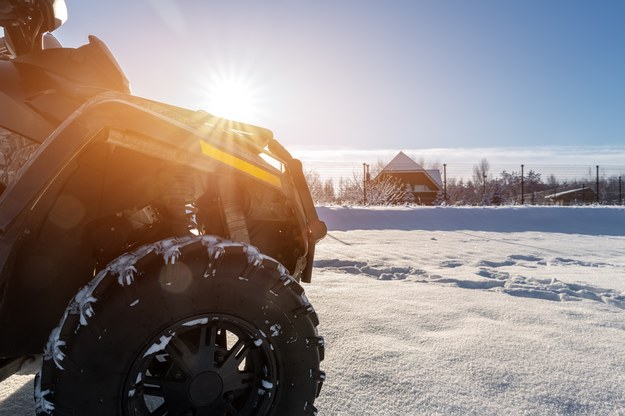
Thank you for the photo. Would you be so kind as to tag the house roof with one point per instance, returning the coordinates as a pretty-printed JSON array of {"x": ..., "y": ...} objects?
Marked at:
[
  {"x": 435, "y": 174},
  {"x": 587, "y": 191},
  {"x": 403, "y": 164}
]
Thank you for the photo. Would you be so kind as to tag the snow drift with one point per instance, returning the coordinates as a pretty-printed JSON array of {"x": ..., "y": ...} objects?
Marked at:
[{"x": 593, "y": 220}]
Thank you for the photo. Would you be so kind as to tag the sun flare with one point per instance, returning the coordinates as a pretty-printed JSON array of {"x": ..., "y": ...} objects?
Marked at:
[{"x": 232, "y": 97}]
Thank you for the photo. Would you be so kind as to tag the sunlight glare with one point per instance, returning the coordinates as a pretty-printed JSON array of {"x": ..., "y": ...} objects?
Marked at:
[{"x": 233, "y": 98}]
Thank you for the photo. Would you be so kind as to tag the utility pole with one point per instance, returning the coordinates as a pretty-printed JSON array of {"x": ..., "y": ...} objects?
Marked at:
[
  {"x": 620, "y": 190},
  {"x": 484, "y": 189},
  {"x": 597, "y": 184},
  {"x": 522, "y": 187},
  {"x": 365, "y": 177},
  {"x": 445, "y": 182}
]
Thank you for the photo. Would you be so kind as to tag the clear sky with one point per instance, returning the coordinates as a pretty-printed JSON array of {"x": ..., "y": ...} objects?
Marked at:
[{"x": 379, "y": 74}]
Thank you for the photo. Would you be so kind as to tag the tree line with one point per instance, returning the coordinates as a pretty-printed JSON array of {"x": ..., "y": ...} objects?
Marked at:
[
  {"x": 365, "y": 187},
  {"x": 482, "y": 188}
]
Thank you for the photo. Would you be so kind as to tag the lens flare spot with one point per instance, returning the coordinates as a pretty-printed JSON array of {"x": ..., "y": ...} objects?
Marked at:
[{"x": 175, "y": 278}]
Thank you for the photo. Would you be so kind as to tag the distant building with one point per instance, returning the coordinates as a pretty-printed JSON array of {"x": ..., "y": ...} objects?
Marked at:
[
  {"x": 580, "y": 196},
  {"x": 422, "y": 185}
]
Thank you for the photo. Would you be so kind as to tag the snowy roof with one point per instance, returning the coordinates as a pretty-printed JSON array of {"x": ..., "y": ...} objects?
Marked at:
[
  {"x": 435, "y": 174},
  {"x": 571, "y": 192},
  {"x": 402, "y": 163}
]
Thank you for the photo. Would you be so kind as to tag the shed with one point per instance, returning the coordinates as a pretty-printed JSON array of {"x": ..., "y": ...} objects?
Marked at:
[{"x": 579, "y": 196}]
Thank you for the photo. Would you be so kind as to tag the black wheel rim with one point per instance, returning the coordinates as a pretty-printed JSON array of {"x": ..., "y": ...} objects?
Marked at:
[{"x": 204, "y": 365}]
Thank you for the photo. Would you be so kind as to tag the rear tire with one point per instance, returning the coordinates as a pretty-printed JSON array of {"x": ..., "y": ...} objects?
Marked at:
[{"x": 187, "y": 326}]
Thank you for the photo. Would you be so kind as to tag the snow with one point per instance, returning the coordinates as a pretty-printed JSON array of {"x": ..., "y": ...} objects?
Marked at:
[
  {"x": 41, "y": 403},
  {"x": 463, "y": 311},
  {"x": 483, "y": 311},
  {"x": 53, "y": 347},
  {"x": 275, "y": 329},
  {"x": 159, "y": 346},
  {"x": 200, "y": 321}
]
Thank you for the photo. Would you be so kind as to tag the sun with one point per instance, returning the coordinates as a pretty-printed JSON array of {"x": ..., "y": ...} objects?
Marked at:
[{"x": 232, "y": 97}]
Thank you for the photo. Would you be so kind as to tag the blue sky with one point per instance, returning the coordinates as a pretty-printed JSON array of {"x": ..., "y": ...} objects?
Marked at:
[{"x": 382, "y": 74}]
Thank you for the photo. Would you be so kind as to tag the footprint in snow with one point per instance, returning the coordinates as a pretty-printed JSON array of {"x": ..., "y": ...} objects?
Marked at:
[
  {"x": 525, "y": 258},
  {"x": 450, "y": 264},
  {"x": 489, "y": 263},
  {"x": 362, "y": 268}
]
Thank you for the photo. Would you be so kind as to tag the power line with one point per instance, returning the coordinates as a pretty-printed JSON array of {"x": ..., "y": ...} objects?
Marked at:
[{"x": 562, "y": 173}]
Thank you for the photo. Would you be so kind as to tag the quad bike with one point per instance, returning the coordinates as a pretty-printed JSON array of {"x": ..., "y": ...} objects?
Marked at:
[{"x": 169, "y": 243}]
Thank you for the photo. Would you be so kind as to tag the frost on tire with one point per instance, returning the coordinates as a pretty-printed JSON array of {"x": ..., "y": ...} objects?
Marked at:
[{"x": 241, "y": 339}]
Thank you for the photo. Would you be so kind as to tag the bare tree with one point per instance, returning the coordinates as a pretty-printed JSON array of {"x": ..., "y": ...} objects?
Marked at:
[
  {"x": 435, "y": 165},
  {"x": 350, "y": 190},
  {"x": 382, "y": 189},
  {"x": 322, "y": 192},
  {"x": 386, "y": 190},
  {"x": 480, "y": 172}
]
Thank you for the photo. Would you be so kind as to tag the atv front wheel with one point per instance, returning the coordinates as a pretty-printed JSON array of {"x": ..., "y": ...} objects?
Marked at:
[{"x": 187, "y": 326}]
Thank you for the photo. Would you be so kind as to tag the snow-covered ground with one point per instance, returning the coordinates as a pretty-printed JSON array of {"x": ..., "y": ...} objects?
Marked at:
[{"x": 483, "y": 311}]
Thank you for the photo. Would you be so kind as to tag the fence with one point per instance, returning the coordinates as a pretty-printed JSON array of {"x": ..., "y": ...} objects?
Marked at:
[{"x": 502, "y": 184}]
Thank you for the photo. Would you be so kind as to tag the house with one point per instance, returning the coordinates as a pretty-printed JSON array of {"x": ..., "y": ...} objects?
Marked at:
[
  {"x": 422, "y": 185},
  {"x": 580, "y": 196}
]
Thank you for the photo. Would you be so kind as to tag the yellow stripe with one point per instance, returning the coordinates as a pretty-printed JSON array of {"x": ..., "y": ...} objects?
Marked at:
[{"x": 240, "y": 164}]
